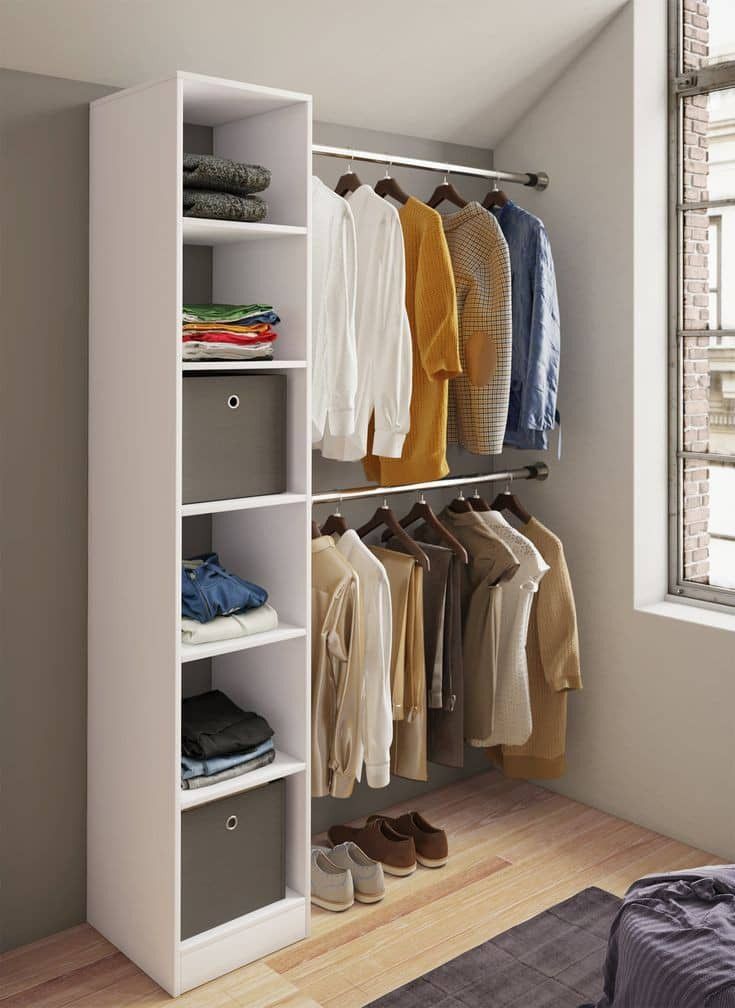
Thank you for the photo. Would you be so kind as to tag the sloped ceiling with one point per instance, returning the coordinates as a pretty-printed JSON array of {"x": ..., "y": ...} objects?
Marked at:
[{"x": 462, "y": 71}]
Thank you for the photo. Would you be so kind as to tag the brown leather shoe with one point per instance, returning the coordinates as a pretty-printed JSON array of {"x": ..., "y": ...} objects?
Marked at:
[
  {"x": 432, "y": 849},
  {"x": 381, "y": 842}
]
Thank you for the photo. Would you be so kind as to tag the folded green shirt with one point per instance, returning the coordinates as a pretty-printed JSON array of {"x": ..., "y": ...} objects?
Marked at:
[{"x": 222, "y": 312}]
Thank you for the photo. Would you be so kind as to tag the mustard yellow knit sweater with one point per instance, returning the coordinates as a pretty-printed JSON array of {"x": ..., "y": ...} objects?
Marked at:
[
  {"x": 431, "y": 305},
  {"x": 552, "y": 649}
]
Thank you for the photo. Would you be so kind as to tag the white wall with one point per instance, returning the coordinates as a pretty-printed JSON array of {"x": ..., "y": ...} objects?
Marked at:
[{"x": 651, "y": 735}]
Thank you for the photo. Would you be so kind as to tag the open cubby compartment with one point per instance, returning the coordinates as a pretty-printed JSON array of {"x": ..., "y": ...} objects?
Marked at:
[
  {"x": 267, "y": 546},
  {"x": 258, "y": 126},
  {"x": 272, "y": 270},
  {"x": 298, "y": 450}
]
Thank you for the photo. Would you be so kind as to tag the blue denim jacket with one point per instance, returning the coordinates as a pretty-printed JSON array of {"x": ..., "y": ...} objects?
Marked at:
[
  {"x": 208, "y": 590},
  {"x": 535, "y": 362}
]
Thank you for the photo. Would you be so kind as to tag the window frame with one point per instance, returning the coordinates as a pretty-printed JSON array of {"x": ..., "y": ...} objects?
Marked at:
[{"x": 682, "y": 84}]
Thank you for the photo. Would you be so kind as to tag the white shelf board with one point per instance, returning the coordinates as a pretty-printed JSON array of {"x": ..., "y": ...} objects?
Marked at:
[
  {"x": 231, "y": 365},
  {"x": 193, "y": 652},
  {"x": 198, "y": 231},
  {"x": 282, "y": 766},
  {"x": 242, "y": 504},
  {"x": 212, "y": 101}
]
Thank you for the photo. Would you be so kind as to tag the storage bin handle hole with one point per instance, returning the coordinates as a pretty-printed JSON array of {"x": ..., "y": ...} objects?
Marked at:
[
  {"x": 234, "y": 401},
  {"x": 231, "y": 822}
]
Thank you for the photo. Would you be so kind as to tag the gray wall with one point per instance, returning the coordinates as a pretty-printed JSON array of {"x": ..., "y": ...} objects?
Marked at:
[
  {"x": 43, "y": 507},
  {"x": 650, "y": 736},
  {"x": 43, "y": 493}
]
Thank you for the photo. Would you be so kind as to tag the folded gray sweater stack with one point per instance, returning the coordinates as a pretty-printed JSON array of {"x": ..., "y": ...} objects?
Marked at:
[{"x": 224, "y": 190}]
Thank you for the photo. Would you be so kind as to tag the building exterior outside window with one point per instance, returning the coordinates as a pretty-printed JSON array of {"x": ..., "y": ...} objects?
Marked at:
[{"x": 702, "y": 198}]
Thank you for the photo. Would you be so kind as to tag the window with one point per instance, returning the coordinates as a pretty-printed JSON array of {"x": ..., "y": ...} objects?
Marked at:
[
  {"x": 714, "y": 251},
  {"x": 702, "y": 302}
]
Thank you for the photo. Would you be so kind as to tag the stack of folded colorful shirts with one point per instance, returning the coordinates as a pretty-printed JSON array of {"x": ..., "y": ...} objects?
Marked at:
[
  {"x": 229, "y": 332},
  {"x": 219, "y": 740},
  {"x": 220, "y": 189},
  {"x": 217, "y": 605}
]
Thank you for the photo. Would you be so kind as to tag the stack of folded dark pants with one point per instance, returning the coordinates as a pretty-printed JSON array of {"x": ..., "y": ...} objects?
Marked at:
[
  {"x": 224, "y": 190},
  {"x": 217, "y": 605},
  {"x": 220, "y": 741}
]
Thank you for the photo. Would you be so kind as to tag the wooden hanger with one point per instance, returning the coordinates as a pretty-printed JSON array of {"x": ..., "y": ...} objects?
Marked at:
[
  {"x": 446, "y": 191},
  {"x": 387, "y": 186},
  {"x": 335, "y": 523},
  {"x": 507, "y": 501},
  {"x": 477, "y": 503},
  {"x": 460, "y": 504},
  {"x": 384, "y": 516},
  {"x": 422, "y": 511},
  {"x": 495, "y": 198},
  {"x": 348, "y": 182}
]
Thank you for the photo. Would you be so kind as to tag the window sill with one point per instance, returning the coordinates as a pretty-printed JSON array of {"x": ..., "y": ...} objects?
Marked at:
[{"x": 704, "y": 614}]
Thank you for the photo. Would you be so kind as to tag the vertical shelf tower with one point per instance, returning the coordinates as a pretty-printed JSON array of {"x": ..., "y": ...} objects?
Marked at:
[{"x": 137, "y": 663}]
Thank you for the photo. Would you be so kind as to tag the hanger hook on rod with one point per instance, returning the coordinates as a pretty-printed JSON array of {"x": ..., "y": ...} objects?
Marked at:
[{"x": 388, "y": 166}]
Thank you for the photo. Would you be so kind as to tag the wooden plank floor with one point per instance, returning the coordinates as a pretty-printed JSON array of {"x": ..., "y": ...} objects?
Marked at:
[{"x": 515, "y": 849}]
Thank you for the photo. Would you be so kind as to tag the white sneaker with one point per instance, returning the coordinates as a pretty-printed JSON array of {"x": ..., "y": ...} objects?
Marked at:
[
  {"x": 367, "y": 875},
  {"x": 331, "y": 886}
]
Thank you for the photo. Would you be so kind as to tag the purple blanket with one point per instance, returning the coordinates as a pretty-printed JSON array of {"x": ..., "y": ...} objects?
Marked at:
[{"x": 672, "y": 943}]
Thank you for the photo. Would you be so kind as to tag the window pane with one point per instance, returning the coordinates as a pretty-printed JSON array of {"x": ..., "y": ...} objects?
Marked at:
[
  {"x": 708, "y": 146},
  {"x": 721, "y": 526},
  {"x": 708, "y": 264},
  {"x": 708, "y": 394},
  {"x": 709, "y": 33}
]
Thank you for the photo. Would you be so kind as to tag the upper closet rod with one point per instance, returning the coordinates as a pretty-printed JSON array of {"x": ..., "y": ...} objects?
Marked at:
[
  {"x": 535, "y": 471},
  {"x": 536, "y": 180}
]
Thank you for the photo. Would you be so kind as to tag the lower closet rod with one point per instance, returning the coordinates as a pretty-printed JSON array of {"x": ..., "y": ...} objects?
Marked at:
[{"x": 535, "y": 471}]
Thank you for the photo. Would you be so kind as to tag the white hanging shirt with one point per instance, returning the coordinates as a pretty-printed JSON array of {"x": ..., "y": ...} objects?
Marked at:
[
  {"x": 513, "y": 723},
  {"x": 377, "y": 707},
  {"x": 334, "y": 272},
  {"x": 384, "y": 353}
]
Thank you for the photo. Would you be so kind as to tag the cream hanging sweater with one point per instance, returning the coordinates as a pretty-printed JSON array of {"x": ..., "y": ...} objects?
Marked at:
[
  {"x": 375, "y": 732},
  {"x": 513, "y": 723},
  {"x": 553, "y": 666}
]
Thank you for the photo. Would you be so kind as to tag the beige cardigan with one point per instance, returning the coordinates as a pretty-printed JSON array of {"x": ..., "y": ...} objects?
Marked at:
[
  {"x": 336, "y": 672},
  {"x": 553, "y": 666}
]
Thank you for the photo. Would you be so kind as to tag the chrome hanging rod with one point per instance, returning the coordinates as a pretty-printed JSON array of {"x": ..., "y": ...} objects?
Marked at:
[
  {"x": 536, "y": 180},
  {"x": 535, "y": 471}
]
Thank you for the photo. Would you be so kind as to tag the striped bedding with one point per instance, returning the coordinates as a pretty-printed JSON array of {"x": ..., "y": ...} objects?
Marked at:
[{"x": 672, "y": 943}]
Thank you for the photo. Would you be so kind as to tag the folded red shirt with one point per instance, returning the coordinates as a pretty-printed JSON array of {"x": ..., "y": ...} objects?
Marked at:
[{"x": 219, "y": 337}]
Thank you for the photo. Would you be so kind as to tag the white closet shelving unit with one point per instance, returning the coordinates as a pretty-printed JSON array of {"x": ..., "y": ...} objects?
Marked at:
[{"x": 136, "y": 660}]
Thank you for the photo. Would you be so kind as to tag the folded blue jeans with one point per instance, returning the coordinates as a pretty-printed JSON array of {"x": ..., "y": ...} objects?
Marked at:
[{"x": 208, "y": 590}]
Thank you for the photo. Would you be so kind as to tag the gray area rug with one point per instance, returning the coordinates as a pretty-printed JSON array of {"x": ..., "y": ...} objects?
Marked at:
[{"x": 553, "y": 960}]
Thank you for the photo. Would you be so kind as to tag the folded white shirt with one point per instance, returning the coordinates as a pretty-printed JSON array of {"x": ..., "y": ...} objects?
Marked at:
[
  {"x": 221, "y": 628},
  {"x": 199, "y": 350}
]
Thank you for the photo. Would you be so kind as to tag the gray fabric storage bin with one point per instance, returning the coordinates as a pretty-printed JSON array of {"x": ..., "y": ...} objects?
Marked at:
[
  {"x": 234, "y": 436},
  {"x": 232, "y": 857}
]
